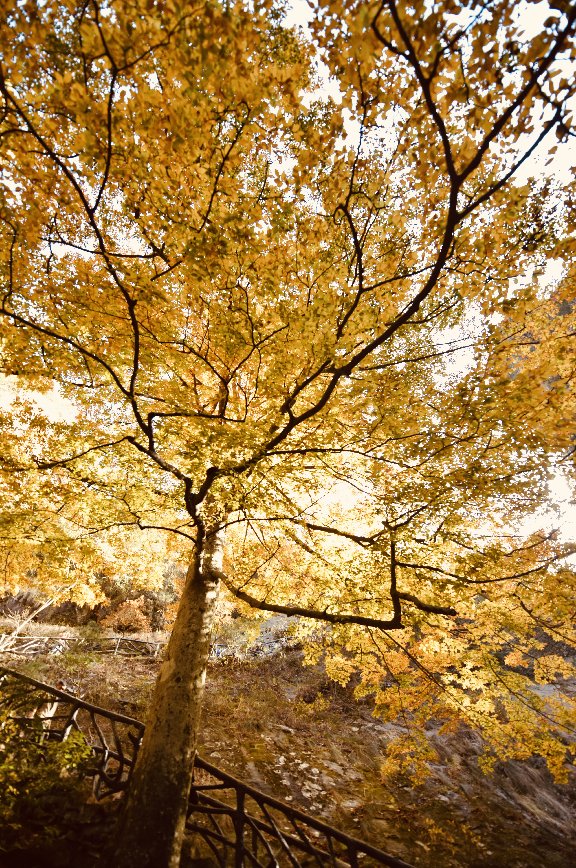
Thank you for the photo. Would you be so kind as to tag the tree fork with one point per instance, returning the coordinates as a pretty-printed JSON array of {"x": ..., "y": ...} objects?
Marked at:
[{"x": 152, "y": 829}]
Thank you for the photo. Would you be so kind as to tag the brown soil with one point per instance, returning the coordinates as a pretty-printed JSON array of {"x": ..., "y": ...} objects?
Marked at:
[{"x": 294, "y": 734}]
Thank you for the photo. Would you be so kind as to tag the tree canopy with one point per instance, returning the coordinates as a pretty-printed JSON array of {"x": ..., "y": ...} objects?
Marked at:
[{"x": 330, "y": 334}]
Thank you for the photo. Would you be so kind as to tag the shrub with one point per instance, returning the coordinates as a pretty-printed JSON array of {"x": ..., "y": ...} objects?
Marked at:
[
  {"x": 41, "y": 782},
  {"x": 129, "y": 617}
]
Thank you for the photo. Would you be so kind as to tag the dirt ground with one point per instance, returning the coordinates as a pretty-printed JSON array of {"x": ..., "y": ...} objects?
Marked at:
[{"x": 292, "y": 733}]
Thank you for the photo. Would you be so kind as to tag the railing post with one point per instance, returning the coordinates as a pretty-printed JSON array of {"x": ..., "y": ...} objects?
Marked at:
[{"x": 239, "y": 829}]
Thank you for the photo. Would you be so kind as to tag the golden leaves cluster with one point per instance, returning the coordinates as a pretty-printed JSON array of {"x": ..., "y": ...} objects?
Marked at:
[{"x": 319, "y": 315}]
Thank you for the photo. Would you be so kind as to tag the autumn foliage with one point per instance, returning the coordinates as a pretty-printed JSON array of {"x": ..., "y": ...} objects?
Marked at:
[{"x": 321, "y": 345}]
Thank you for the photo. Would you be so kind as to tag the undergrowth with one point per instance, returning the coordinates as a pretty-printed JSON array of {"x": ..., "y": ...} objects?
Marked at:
[{"x": 41, "y": 781}]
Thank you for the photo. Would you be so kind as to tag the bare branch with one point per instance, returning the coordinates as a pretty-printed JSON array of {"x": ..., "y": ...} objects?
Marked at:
[{"x": 60, "y": 462}]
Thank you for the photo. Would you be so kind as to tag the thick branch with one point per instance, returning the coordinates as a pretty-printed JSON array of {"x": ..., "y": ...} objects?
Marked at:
[{"x": 394, "y": 623}]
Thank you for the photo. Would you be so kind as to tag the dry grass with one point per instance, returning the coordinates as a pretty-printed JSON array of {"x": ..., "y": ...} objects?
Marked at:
[
  {"x": 10, "y": 624},
  {"x": 294, "y": 734}
]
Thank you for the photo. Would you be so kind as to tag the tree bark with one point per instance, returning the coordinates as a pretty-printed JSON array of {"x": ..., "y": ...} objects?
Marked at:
[{"x": 152, "y": 831}]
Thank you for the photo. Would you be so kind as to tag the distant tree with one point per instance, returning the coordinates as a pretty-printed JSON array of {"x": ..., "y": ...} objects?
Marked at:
[{"x": 289, "y": 325}]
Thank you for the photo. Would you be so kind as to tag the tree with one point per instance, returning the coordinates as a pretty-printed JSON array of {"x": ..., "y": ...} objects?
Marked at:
[{"x": 250, "y": 294}]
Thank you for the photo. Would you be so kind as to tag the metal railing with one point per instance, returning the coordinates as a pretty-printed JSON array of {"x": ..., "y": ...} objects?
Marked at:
[
  {"x": 236, "y": 824},
  {"x": 241, "y": 826},
  {"x": 113, "y": 738}
]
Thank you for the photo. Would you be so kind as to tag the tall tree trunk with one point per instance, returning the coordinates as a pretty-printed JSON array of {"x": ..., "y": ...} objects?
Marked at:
[{"x": 153, "y": 825}]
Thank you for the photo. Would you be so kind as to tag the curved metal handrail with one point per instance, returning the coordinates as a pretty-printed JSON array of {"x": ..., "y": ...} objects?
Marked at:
[
  {"x": 113, "y": 737},
  {"x": 236, "y": 824},
  {"x": 248, "y": 821}
]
